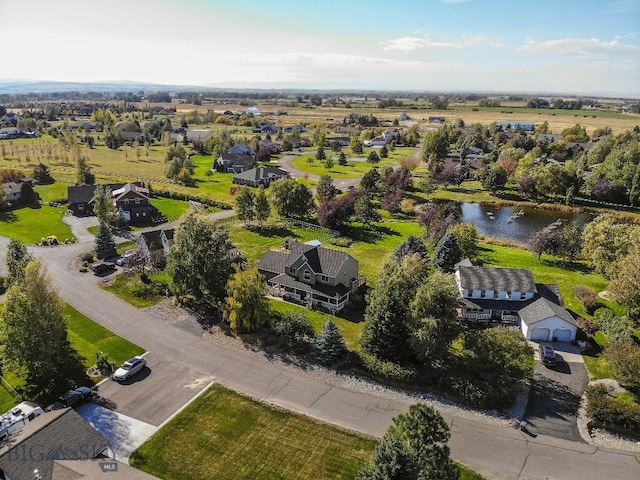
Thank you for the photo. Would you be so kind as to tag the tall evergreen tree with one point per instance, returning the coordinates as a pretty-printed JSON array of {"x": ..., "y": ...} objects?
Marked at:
[
  {"x": 105, "y": 244},
  {"x": 326, "y": 190},
  {"x": 409, "y": 247},
  {"x": 447, "y": 253},
  {"x": 83, "y": 171},
  {"x": 329, "y": 344}
]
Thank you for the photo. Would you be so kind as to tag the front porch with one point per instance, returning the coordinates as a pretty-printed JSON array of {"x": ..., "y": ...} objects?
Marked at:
[{"x": 309, "y": 297}]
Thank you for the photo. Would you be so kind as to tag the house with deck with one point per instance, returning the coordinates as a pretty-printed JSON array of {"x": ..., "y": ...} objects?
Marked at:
[
  {"x": 509, "y": 296},
  {"x": 312, "y": 275}
]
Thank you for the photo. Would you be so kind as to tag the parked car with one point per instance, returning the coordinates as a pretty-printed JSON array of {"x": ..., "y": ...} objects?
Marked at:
[
  {"x": 79, "y": 395},
  {"x": 547, "y": 355},
  {"x": 102, "y": 267},
  {"x": 124, "y": 259},
  {"x": 129, "y": 368}
]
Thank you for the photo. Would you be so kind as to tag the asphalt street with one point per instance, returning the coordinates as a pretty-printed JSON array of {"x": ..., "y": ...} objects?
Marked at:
[{"x": 181, "y": 364}]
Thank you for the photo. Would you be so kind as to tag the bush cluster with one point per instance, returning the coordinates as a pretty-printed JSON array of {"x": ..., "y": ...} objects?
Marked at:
[
  {"x": 588, "y": 297},
  {"x": 587, "y": 326},
  {"x": 386, "y": 370},
  {"x": 294, "y": 326},
  {"x": 611, "y": 412}
]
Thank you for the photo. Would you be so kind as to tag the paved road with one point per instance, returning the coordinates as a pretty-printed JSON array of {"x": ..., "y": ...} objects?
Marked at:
[
  {"x": 286, "y": 162},
  {"x": 181, "y": 363}
]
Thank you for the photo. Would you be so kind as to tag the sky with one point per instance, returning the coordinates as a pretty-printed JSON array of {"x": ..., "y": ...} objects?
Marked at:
[{"x": 555, "y": 46}]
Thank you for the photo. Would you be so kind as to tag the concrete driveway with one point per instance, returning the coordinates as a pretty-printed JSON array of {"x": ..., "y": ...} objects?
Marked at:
[{"x": 556, "y": 392}]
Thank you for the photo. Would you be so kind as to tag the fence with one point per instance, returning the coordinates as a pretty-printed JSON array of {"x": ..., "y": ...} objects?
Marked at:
[{"x": 312, "y": 226}]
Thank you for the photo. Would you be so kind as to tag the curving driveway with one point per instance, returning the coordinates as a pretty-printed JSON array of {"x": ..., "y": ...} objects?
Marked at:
[{"x": 182, "y": 362}]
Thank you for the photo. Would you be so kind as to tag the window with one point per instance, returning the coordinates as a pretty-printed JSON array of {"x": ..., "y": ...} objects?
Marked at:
[
  {"x": 509, "y": 295},
  {"x": 483, "y": 293},
  {"x": 495, "y": 294},
  {"x": 126, "y": 201},
  {"x": 137, "y": 201},
  {"x": 523, "y": 295},
  {"x": 325, "y": 279},
  {"x": 306, "y": 276}
]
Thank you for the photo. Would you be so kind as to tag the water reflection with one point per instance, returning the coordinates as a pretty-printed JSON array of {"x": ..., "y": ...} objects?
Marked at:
[{"x": 504, "y": 222}]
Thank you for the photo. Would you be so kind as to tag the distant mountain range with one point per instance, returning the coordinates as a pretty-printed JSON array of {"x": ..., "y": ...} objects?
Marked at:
[{"x": 18, "y": 87}]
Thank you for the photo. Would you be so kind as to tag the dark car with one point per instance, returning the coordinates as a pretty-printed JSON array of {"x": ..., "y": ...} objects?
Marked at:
[
  {"x": 102, "y": 267},
  {"x": 77, "y": 396},
  {"x": 547, "y": 355}
]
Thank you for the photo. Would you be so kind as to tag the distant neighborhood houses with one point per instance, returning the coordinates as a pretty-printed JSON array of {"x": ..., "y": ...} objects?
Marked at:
[
  {"x": 10, "y": 133},
  {"x": 131, "y": 198},
  {"x": 14, "y": 190}
]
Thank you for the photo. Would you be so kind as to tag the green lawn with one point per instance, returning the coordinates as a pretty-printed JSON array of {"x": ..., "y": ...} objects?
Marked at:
[
  {"x": 228, "y": 436},
  {"x": 128, "y": 287},
  {"x": 170, "y": 207},
  {"x": 56, "y": 192},
  {"x": 88, "y": 338},
  {"x": 30, "y": 225}
]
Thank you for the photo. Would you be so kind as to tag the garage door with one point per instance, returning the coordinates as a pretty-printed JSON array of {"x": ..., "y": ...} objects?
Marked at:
[
  {"x": 538, "y": 334},
  {"x": 562, "y": 335}
]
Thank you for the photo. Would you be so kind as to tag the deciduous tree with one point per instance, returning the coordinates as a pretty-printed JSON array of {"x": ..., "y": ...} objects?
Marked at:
[
  {"x": 290, "y": 198},
  {"x": 261, "y": 206},
  {"x": 17, "y": 260},
  {"x": 198, "y": 262},
  {"x": 245, "y": 204},
  {"x": 247, "y": 306}
]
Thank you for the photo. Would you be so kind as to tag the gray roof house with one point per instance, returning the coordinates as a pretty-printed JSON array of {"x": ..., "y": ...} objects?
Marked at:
[
  {"x": 510, "y": 296},
  {"x": 312, "y": 275},
  {"x": 234, "y": 162},
  {"x": 260, "y": 176},
  {"x": 154, "y": 246}
]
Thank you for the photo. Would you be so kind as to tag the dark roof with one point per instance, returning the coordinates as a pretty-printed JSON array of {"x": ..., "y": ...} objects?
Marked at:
[
  {"x": 274, "y": 262},
  {"x": 152, "y": 239},
  {"x": 500, "y": 279},
  {"x": 260, "y": 173},
  {"x": 58, "y": 435},
  {"x": 323, "y": 261},
  {"x": 542, "y": 309},
  {"x": 327, "y": 290},
  {"x": 236, "y": 158},
  {"x": 131, "y": 187},
  {"x": 169, "y": 232},
  {"x": 93, "y": 469},
  {"x": 80, "y": 193}
]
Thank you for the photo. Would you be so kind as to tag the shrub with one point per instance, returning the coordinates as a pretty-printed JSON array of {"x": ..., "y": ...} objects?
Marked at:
[
  {"x": 611, "y": 412},
  {"x": 146, "y": 290},
  {"x": 295, "y": 326},
  {"x": 87, "y": 257},
  {"x": 587, "y": 326},
  {"x": 341, "y": 241},
  {"x": 388, "y": 370},
  {"x": 103, "y": 364},
  {"x": 588, "y": 297},
  {"x": 625, "y": 357}
]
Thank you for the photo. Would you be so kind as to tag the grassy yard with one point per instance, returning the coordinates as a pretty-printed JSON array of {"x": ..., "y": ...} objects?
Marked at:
[
  {"x": 55, "y": 192},
  {"x": 170, "y": 207},
  {"x": 129, "y": 288},
  {"x": 88, "y": 338},
  {"x": 226, "y": 435},
  {"x": 29, "y": 225},
  {"x": 357, "y": 165}
]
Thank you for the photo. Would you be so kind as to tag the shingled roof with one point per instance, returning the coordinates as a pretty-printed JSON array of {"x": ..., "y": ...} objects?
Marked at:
[
  {"x": 497, "y": 279},
  {"x": 542, "y": 309},
  {"x": 323, "y": 261},
  {"x": 58, "y": 435}
]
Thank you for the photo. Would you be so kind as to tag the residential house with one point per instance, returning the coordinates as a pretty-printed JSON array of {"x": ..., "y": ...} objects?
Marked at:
[
  {"x": 381, "y": 140},
  {"x": 86, "y": 125},
  {"x": 549, "y": 137},
  {"x": 517, "y": 125},
  {"x": 295, "y": 128},
  {"x": 253, "y": 111},
  {"x": 342, "y": 141},
  {"x": 130, "y": 137},
  {"x": 260, "y": 176},
  {"x": 14, "y": 191},
  {"x": 10, "y": 133},
  {"x": 60, "y": 445},
  {"x": 273, "y": 147},
  {"x": 242, "y": 149},
  {"x": 12, "y": 118},
  {"x": 132, "y": 198},
  {"x": 134, "y": 201},
  {"x": 234, "y": 163},
  {"x": 265, "y": 128},
  {"x": 312, "y": 275},
  {"x": 201, "y": 135},
  {"x": 300, "y": 142},
  {"x": 438, "y": 120},
  {"x": 404, "y": 117},
  {"x": 510, "y": 296},
  {"x": 154, "y": 246}
]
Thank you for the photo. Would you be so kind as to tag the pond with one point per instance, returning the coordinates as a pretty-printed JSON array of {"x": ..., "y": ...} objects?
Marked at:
[{"x": 506, "y": 222}]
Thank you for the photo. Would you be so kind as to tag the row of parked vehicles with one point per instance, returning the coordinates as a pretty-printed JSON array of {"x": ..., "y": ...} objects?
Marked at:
[{"x": 103, "y": 267}]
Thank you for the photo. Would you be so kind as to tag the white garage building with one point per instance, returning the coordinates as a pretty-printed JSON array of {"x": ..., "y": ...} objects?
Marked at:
[{"x": 544, "y": 321}]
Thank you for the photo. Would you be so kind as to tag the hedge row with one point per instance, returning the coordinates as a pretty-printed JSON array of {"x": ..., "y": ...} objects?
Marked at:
[{"x": 191, "y": 198}]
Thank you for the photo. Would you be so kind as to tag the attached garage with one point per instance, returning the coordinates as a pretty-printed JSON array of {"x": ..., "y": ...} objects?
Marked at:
[
  {"x": 540, "y": 334},
  {"x": 545, "y": 321}
]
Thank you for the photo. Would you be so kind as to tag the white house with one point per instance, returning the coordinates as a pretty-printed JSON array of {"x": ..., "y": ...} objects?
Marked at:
[{"x": 510, "y": 296}]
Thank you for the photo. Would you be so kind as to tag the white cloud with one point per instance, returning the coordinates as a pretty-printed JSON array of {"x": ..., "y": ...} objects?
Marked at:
[
  {"x": 408, "y": 44},
  {"x": 578, "y": 47}
]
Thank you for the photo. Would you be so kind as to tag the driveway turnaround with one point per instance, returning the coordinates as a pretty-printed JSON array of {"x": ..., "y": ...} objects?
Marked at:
[{"x": 494, "y": 450}]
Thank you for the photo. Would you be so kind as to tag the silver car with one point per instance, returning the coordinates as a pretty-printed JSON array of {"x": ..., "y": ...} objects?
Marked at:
[{"x": 129, "y": 368}]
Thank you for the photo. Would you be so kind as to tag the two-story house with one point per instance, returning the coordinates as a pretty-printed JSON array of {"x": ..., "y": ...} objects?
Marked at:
[
  {"x": 234, "y": 162},
  {"x": 134, "y": 201},
  {"x": 312, "y": 275},
  {"x": 510, "y": 296}
]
